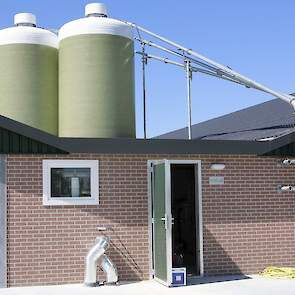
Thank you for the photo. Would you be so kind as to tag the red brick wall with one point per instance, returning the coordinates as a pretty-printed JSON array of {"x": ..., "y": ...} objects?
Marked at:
[{"x": 247, "y": 223}]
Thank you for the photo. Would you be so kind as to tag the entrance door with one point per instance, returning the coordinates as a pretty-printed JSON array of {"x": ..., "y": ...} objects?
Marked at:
[
  {"x": 175, "y": 208},
  {"x": 161, "y": 221},
  {"x": 185, "y": 240}
]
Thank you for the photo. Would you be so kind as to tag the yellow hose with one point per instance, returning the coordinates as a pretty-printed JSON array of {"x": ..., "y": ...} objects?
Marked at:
[{"x": 279, "y": 272}]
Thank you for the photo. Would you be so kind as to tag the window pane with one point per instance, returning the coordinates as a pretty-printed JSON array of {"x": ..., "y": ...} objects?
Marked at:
[{"x": 70, "y": 182}]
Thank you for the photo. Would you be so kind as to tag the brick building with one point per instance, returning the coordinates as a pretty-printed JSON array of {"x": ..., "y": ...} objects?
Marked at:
[{"x": 221, "y": 188}]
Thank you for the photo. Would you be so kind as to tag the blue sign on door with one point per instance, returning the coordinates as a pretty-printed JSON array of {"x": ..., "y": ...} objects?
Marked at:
[{"x": 178, "y": 277}]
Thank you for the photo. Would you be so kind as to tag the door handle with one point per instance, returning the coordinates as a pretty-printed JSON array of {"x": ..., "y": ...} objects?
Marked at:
[{"x": 165, "y": 219}]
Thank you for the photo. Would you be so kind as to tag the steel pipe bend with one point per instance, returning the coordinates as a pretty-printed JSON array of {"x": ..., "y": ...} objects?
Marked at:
[
  {"x": 96, "y": 257},
  {"x": 109, "y": 268}
]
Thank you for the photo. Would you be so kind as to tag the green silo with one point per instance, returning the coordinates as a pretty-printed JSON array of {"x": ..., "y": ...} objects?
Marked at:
[
  {"x": 96, "y": 77},
  {"x": 29, "y": 74}
]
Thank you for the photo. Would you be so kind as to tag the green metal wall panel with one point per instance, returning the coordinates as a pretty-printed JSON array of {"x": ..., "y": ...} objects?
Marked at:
[
  {"x": 29, "y": 85},
  {"x": 13, "y": 143},
  {"x": 3, "y": 223},
  {"x": 96, "y": 87}
]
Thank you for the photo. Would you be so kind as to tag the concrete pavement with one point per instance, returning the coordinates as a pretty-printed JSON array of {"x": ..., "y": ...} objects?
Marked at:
[{"x": 253, "y": 285}]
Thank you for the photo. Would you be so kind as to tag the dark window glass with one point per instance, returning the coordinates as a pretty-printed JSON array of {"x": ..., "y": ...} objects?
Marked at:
[{"x": 70, "y": 183}]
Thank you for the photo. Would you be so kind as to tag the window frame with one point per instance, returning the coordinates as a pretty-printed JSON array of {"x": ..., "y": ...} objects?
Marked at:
[{"x": 70, "y": 201}]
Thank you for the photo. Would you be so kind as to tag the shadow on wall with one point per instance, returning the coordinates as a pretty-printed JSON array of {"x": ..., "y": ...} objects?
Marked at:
[
  {"x": 123, "y": 207},
  {"x": 216, "y": 260},
  {"x": 125, "y": 255},
  {"x": 124, "y": 263},
  {"x": 123, "y": 259}
]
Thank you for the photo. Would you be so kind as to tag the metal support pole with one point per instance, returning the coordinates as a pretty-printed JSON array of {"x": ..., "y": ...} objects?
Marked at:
[
  {"x": 189, "y": 104},
  {"x": 144, "y": 63}
]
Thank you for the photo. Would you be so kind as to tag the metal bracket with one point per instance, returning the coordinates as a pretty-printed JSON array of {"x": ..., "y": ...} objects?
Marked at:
[
  {"x": 150, "y": 169},
  {"x": 189, "y": 103}
]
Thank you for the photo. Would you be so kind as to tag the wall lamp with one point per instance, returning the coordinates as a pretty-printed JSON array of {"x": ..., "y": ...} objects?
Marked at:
[
  {"x": 286, "y": 188},
  {"x": 288, "y": 162},
  {"x": 217, "y": 166}
]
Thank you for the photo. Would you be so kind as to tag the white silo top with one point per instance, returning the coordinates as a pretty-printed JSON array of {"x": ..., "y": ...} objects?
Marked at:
[
  {"x": 26, "y": 32},
  {"x": 95, "y": 9},
  {"x": 25, "y": 19},
  {"x": 96, "y": 24}
]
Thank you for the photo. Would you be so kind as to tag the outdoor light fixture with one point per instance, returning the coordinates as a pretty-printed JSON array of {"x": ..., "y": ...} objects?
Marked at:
[
  {"x": 286, "y": 188},
  {"x": 217, "y": 166},
  {"x": 288, "y": 162}
]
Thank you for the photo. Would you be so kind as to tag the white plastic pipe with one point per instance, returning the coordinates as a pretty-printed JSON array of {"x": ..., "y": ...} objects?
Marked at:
[{"x": 286, "y": 97}]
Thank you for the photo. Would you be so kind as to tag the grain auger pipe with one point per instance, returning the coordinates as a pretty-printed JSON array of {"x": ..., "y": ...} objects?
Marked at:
[{"x": 217, "y": 67}]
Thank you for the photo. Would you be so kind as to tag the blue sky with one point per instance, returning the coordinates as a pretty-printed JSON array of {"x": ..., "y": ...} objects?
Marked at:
[{"x": 255, "y": 38}]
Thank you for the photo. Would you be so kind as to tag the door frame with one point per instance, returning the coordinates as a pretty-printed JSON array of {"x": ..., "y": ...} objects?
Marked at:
[{"x": 199, "y": 230}]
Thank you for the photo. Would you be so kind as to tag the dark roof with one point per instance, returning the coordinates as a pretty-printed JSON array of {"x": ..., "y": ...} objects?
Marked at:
[
  {"x": 120, "y": 145},
  {"x": 21, "y": 135},
  {"x": 273, "y": 118}
]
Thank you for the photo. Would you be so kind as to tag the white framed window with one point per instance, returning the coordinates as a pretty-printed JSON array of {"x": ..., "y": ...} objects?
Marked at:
[{"x": 70, "y": 182}]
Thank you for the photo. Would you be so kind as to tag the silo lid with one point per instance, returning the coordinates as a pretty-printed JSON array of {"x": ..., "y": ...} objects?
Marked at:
[
  {"x": 25, "y": 19},
  {"x": 95, "y": 9}
]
